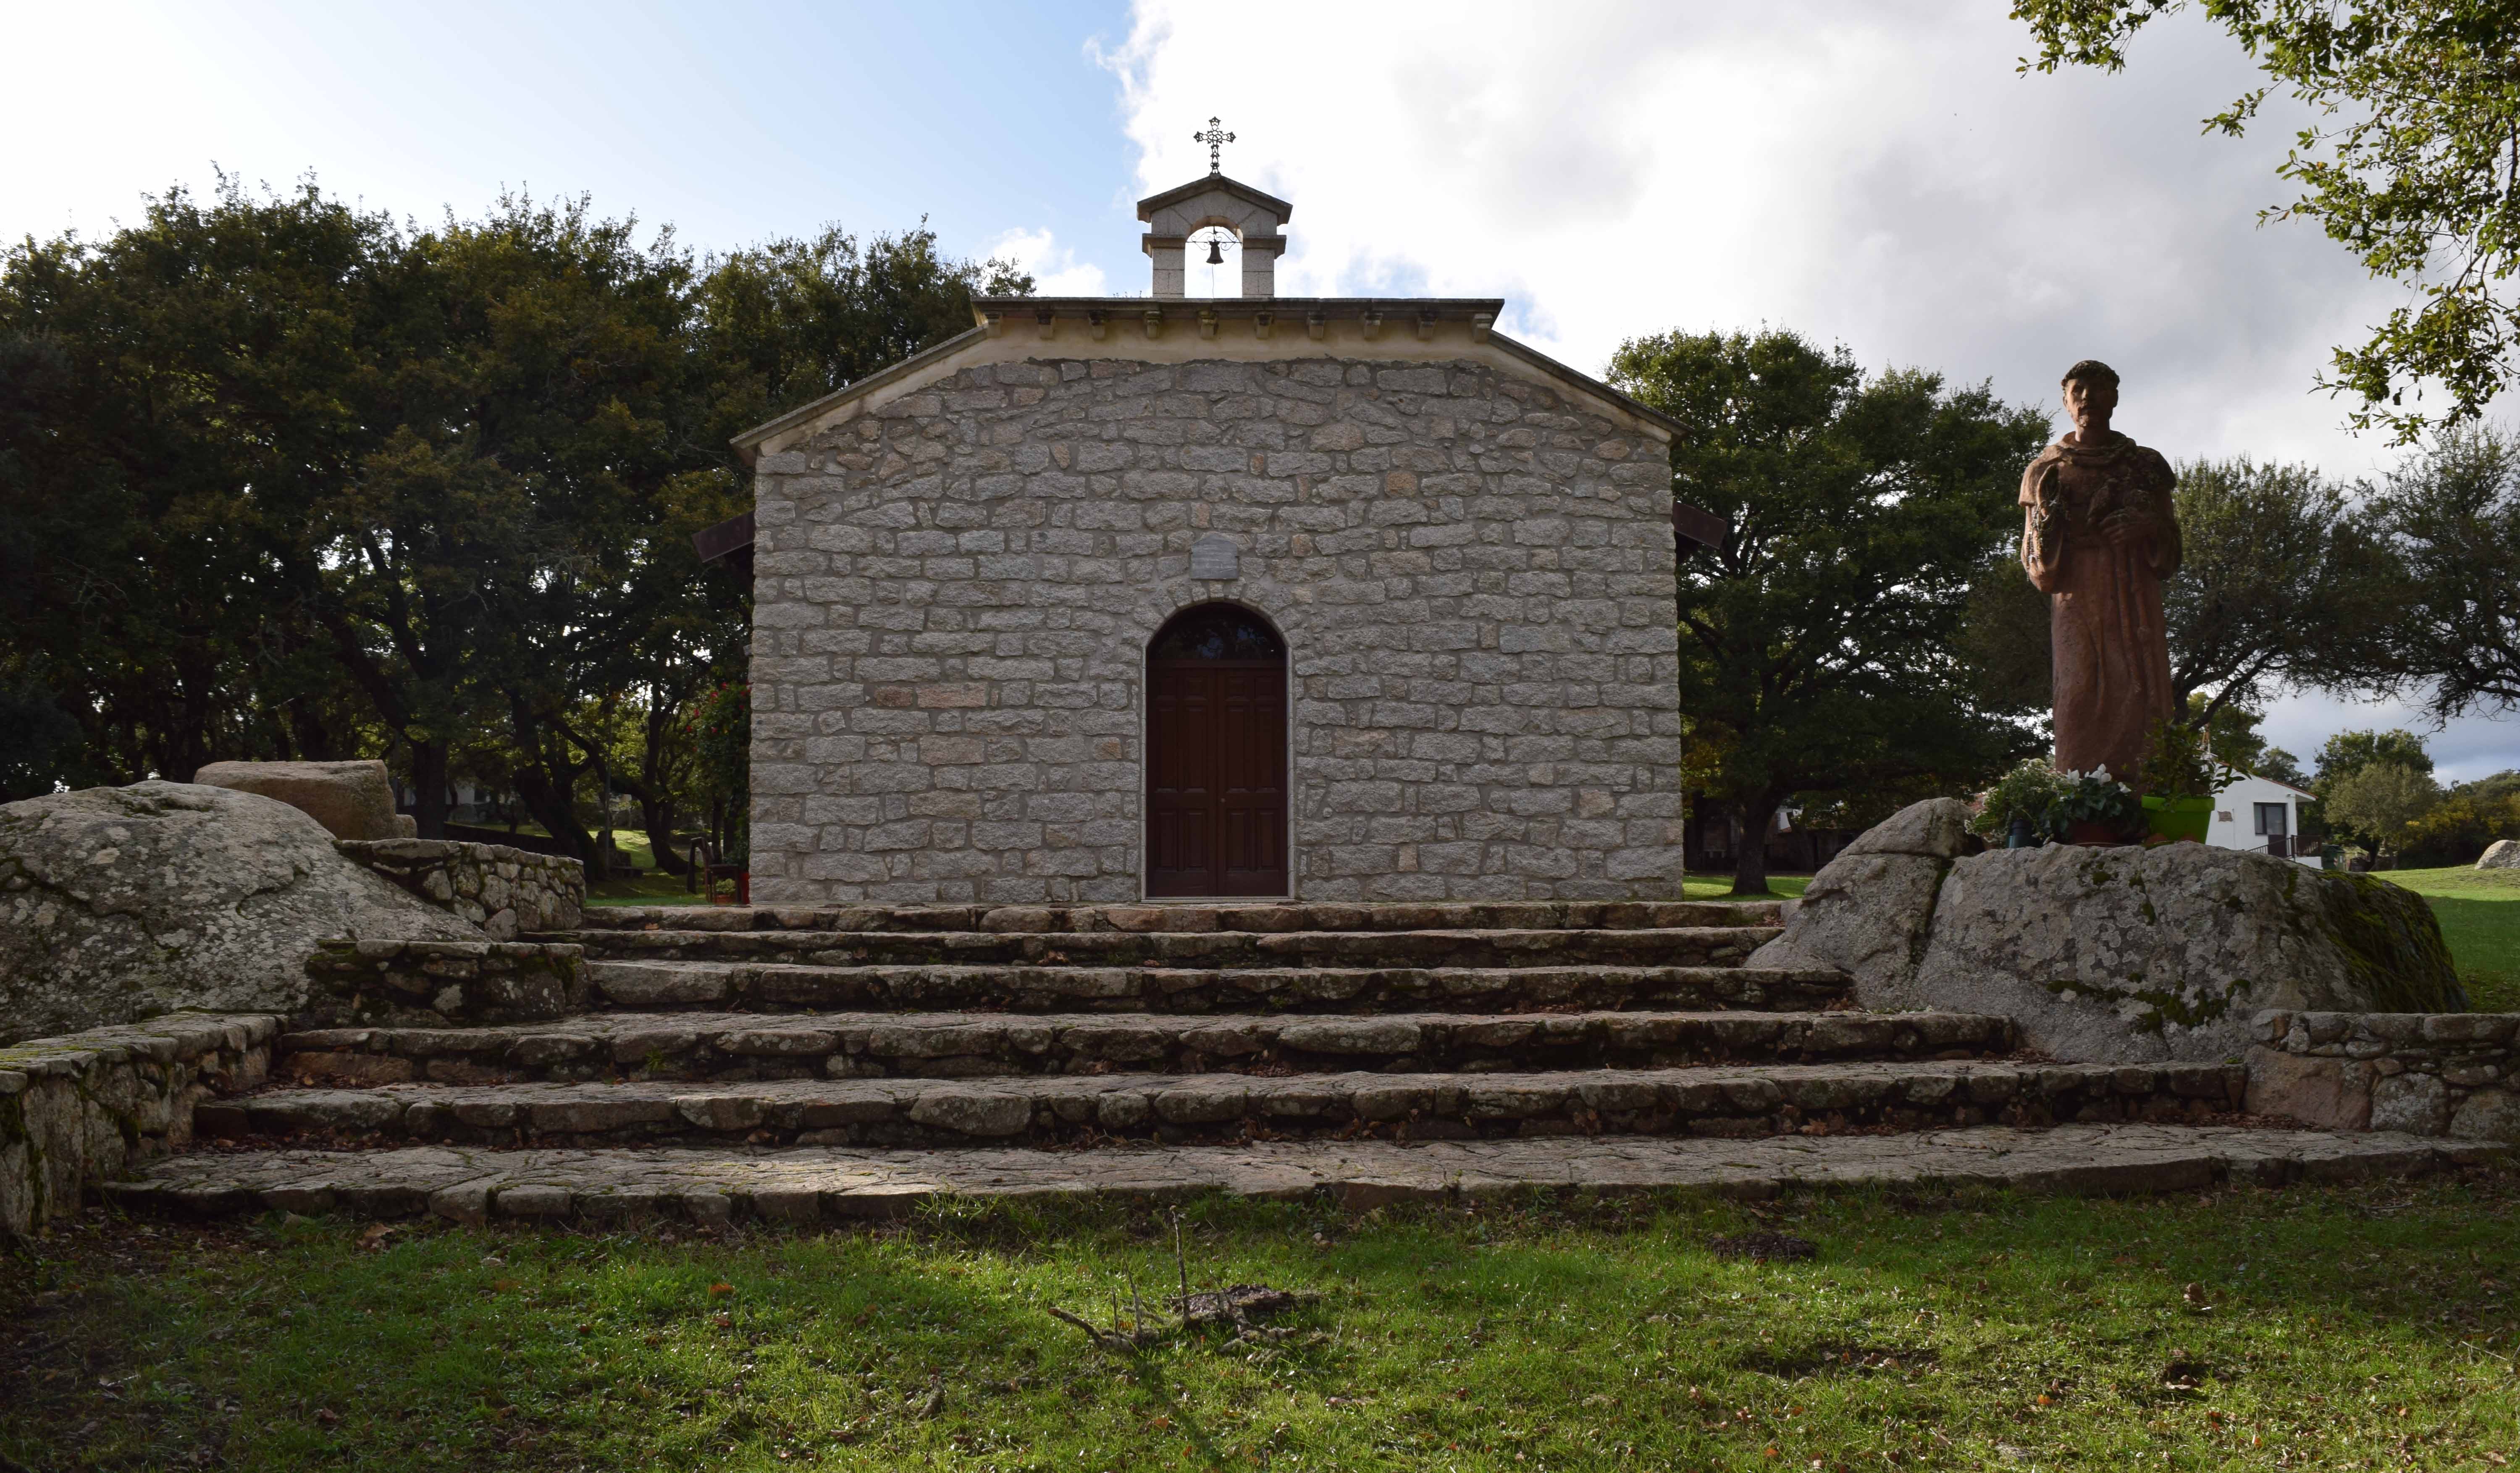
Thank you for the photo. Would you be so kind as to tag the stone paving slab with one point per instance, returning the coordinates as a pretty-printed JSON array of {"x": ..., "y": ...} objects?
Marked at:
[
  {"x": 1677, "y": 946},
  {"x": 1731, "y": 1100},
  {"x": 1279, "y": 916},
  {"x": 652, "y": 985},
  {"x": 733, "y": 1046},
  {"x": 811, "y": 1184}
]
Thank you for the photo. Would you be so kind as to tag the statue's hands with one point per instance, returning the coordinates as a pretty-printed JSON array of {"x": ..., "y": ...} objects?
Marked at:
[{"x": 2124, "y": 530}]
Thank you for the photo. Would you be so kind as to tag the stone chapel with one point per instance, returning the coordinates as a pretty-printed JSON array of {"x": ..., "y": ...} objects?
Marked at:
[{"x": 1136, "y": 598}]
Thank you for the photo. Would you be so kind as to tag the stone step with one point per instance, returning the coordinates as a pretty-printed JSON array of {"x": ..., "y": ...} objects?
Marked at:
[
  {"x": 803, "y": 1186},
  {"x": 730, "y": 1046},
  {"x": 1729, "y": 1100},
  {"x": 650, "y": 986},
  {"x": 1683, "y": 946},
  {"x": 1215, "y": 915}
]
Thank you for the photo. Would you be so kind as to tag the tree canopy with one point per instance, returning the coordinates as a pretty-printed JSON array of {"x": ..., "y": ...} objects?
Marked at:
[
  {"x": 282, "y": 478},
  {"x": 1817, "y": 644},
  {"x": 2409, "y": 164},
  {"x": 2279, "y": 588},
  {"x": 2349, "y": 752},
  {"x": 2378, "y": 803},
  {"x": 2449, "y": 518}
]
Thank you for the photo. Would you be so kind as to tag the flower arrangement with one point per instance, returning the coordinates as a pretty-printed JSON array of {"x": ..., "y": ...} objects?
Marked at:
[
  {"x": 2054, "y": 802},
  {"x": 2094, "y": 800}
]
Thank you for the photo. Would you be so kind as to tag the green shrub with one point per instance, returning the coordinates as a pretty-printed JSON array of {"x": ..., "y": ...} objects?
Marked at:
[
  {"x": 2175, "y": 762},
  {"x": 720, "y": 723},
  {"x": 2027, "y": 791}
]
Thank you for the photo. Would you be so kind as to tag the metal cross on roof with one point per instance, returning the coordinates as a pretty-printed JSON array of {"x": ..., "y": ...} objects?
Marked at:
[{"x": 1215, "y": 138}]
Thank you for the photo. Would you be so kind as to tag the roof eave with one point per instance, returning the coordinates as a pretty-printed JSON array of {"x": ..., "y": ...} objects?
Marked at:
[{"x": 748, "y": 445}]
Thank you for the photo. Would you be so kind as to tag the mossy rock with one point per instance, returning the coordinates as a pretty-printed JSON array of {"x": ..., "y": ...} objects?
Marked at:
[{"x": 2169, "y": 952}]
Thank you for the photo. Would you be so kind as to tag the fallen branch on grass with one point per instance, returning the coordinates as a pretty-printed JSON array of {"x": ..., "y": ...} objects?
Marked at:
[{"x": 1112, "y": 1339}]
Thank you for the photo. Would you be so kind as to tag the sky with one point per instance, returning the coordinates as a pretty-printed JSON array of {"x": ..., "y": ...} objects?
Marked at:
[{"x": 1871, "y": 172}]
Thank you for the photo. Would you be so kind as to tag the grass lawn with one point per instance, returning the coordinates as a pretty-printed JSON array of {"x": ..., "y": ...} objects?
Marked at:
[
  {"x": 649, "y": 886},
  {"x": 2479, "y": 910},
  {"x": 2355, "y": 1327},
  {"x": 1720, "y": 886}
]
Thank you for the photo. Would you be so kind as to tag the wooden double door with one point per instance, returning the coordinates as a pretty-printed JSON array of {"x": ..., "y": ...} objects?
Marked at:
[{"x": 1216, "y": 756}]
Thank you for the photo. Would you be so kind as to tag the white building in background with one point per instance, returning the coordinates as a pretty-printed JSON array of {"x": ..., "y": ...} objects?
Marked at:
[{"x": 2257, "y": 812}]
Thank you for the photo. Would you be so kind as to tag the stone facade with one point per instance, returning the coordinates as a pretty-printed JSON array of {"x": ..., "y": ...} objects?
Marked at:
[
  {"x": 2426, "y": 1074},
  {"x": 500, "y": 889},
  {"x": 1469, "y": 560}
]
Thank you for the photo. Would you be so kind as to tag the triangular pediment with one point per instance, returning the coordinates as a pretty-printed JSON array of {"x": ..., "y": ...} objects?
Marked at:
[
  {"x": 1223, "y": 185},
  {"x": 1154, "y": 330}
]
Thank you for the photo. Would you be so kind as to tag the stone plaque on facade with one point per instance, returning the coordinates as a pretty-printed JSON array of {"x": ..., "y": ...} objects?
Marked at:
[{"x": 1215, "y": 556}]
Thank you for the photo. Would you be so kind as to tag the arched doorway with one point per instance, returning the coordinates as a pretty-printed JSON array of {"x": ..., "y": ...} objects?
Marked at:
[{"x": 1216, "y": 755}]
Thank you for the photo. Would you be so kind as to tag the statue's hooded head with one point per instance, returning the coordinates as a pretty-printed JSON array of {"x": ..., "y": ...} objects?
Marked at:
[{"x": 2091, "y": 396}]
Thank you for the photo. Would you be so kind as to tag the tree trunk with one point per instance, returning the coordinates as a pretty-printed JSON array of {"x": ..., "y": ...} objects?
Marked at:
[
  {"x": 428, "y": 782},
  {"x": 657, "y": 806},
  {"x": 658, "y": 818},
  {"x": 1750, "y": 856},
  {"x": 306, "y": 731},
  {"x": 552, "y": 807}
]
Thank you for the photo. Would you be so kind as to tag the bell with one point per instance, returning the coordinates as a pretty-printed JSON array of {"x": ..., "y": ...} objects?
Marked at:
[{"x": 1215, "y": 251}]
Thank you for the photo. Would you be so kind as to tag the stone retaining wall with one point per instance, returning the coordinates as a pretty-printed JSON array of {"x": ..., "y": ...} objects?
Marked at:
[
  {"x": 501, "y": 889},
  {"x": 2426, "y": 1074},
  {"x": 79, "y": 1110},
  {"x": 433, "y": 983}
]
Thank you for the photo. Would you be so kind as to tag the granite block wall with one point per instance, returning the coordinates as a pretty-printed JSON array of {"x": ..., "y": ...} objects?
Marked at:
[{"x": 2425, "y": 1073}]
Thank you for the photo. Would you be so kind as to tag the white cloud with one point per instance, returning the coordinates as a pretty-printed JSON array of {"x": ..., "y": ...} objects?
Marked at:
[
  {"x": 1055, "y": 268},
  {"x": 2463, "y": 750},
  {"x": 1875, "y": 174},
  {"x": 1879, "y": 175}
]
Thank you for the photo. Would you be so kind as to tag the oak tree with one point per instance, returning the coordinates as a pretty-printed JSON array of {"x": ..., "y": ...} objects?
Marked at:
[{"x": 1818, "y": 643}]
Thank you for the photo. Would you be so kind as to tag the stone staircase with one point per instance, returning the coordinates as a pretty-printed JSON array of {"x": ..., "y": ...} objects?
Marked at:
[{"x": 799, "y": 1064}]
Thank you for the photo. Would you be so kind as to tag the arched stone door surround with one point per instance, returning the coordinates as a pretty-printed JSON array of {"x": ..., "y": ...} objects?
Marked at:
[{"x": 1216, "y": 755}]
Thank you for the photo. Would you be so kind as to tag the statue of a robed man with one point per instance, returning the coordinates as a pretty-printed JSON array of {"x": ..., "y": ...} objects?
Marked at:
[{"x": 2100, "y": 538}]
